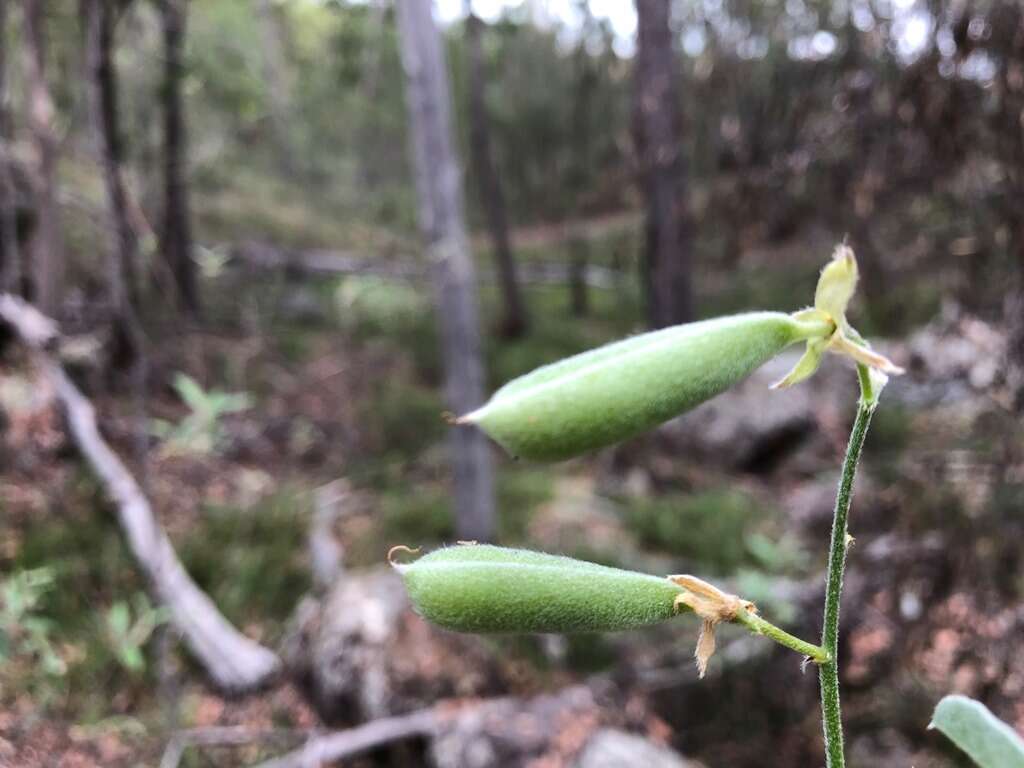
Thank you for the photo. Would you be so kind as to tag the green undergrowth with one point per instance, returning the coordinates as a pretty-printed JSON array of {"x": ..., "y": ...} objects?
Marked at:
[
  {"x": 252, "y": 560},
  {"x": 250, "y": 205},
  {"x": 81, "y": 544},
  {"x": 708, "y": 527},
  {"x": 420, "y": 513}
]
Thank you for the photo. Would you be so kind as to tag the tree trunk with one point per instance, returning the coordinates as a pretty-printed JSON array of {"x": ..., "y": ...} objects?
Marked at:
[
  {"x": 514, "y": 320},
  {"x": 1013, "y": 314},
  {"x": 579, "y": 179},
  {"x": 275, "y": 77},
  {"x": 666, "y": 269},
  {"x": 103, "y": 107},
  {"x": 176, "y": 232},
  {"x": 47, "y": 249},
  {"x": 439, "y": 191},
  {"x": 371, "y": 68},
  {"x": 1011, "y": 154},
  {"x": 10, "y": 260},
  {"x": 579, "y": 252}
]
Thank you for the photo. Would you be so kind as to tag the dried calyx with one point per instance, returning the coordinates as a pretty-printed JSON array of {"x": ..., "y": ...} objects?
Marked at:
[
  {"x": 836, "y": 287},
  {"x": 713, "y": 606}
]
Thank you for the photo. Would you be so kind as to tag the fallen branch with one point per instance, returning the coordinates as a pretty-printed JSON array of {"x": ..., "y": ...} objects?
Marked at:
[
  {"x": 331, "y": 747},
  {"x": 34, "y": 328},
  {"x": 234, "y": 662},
  {"x": 330, "y": 262},
  {"x": 220, "y": 736}
]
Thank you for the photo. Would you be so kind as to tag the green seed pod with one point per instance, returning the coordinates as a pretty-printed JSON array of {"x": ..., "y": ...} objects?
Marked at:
[
  {"x": 617, "y": 391},
  {"x": 481, "y": 588}
]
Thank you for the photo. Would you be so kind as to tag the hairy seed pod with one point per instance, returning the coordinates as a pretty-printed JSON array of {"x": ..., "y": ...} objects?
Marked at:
[
  {"x": 619, "y": 390},
  {"x": 481, "y": 588}
]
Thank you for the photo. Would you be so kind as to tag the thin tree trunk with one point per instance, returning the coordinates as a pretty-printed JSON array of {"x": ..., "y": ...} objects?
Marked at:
[
  {"x": 103, "y": 106},
  {"x": 439, "y": 190},
  {"x": 275, "y": 78},
  {"x": 667, "y": 263},
  {"x": 371, "y": 68},
  {"x": 514, "y": 320},
  {"x": 1013, "y": 313},
  {"x": 579, "y": 177},
  {"x": 10, "y": 259},
  {"x": 47, "y": 249},
  {"x": 176, "y": 232},
  {"x": 579, "y": 252},
  {"x": 1011, "y": 152}
]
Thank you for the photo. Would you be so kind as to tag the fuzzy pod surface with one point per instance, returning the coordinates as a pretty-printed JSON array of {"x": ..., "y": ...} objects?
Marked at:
[
  {"x": 617, "y": 391},
  {"x": 483, "y": 589}
]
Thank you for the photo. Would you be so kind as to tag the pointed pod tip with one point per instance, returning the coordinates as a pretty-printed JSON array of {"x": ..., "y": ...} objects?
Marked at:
[{"x": 468, "y": 418}]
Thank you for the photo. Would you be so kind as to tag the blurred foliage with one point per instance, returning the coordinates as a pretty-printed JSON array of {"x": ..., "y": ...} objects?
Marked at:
[
  {"x": 252, "y": 560},
  {"x": 25, "y": 632},
  {"x": 896, "y": 123},
  {"x": 708, "y": 527},
  {"x": 89, "y": 566},
  {"x": 201, "y": 432},
  {"x": 420, "y": 514},
  {"x": 129, "y": 626},
  {"x": 892, "y": 123},
  {"x": 378, "y": 305}
]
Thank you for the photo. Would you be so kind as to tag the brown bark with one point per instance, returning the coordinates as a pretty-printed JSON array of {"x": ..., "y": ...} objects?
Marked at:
[
  {"x": 47, "y": 251},
  {"x": 176, "y": 231},
  {"x": 103, "y": 106},
  {"x": 439, "y": 192},
  {"x": 666, "y": 269},
  {"x": 514, "y": 320}
]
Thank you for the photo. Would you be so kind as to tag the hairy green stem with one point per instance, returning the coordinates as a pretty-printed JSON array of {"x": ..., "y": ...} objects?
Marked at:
[
  {"x": 829, "y": 671},
  {"x": 760, "y": 626}
]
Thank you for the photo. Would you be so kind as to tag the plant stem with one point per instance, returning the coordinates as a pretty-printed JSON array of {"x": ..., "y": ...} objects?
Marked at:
[
  {"x": 829, "y": 671},
  {"x": 760, "y": 626}
]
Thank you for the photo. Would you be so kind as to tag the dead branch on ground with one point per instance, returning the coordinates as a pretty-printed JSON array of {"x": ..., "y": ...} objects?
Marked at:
[
  {"x": 233, "y": 661},
  {"x": 330, "y": 747}
]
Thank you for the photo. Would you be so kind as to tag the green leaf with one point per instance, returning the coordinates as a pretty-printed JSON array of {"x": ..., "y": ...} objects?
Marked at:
[
  {"x": 131, "y": 658},
  {"x": 190, "y": 392},
  {"x": 232, "y": 402},
  {"x": 119, "y": 619},
  {"x": 988, "y": 741}
]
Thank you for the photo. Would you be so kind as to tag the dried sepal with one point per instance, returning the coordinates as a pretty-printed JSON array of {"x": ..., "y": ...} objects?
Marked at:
[
  {"x": 705, "y": 646},
  {"x": 713, "y": 606}
]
